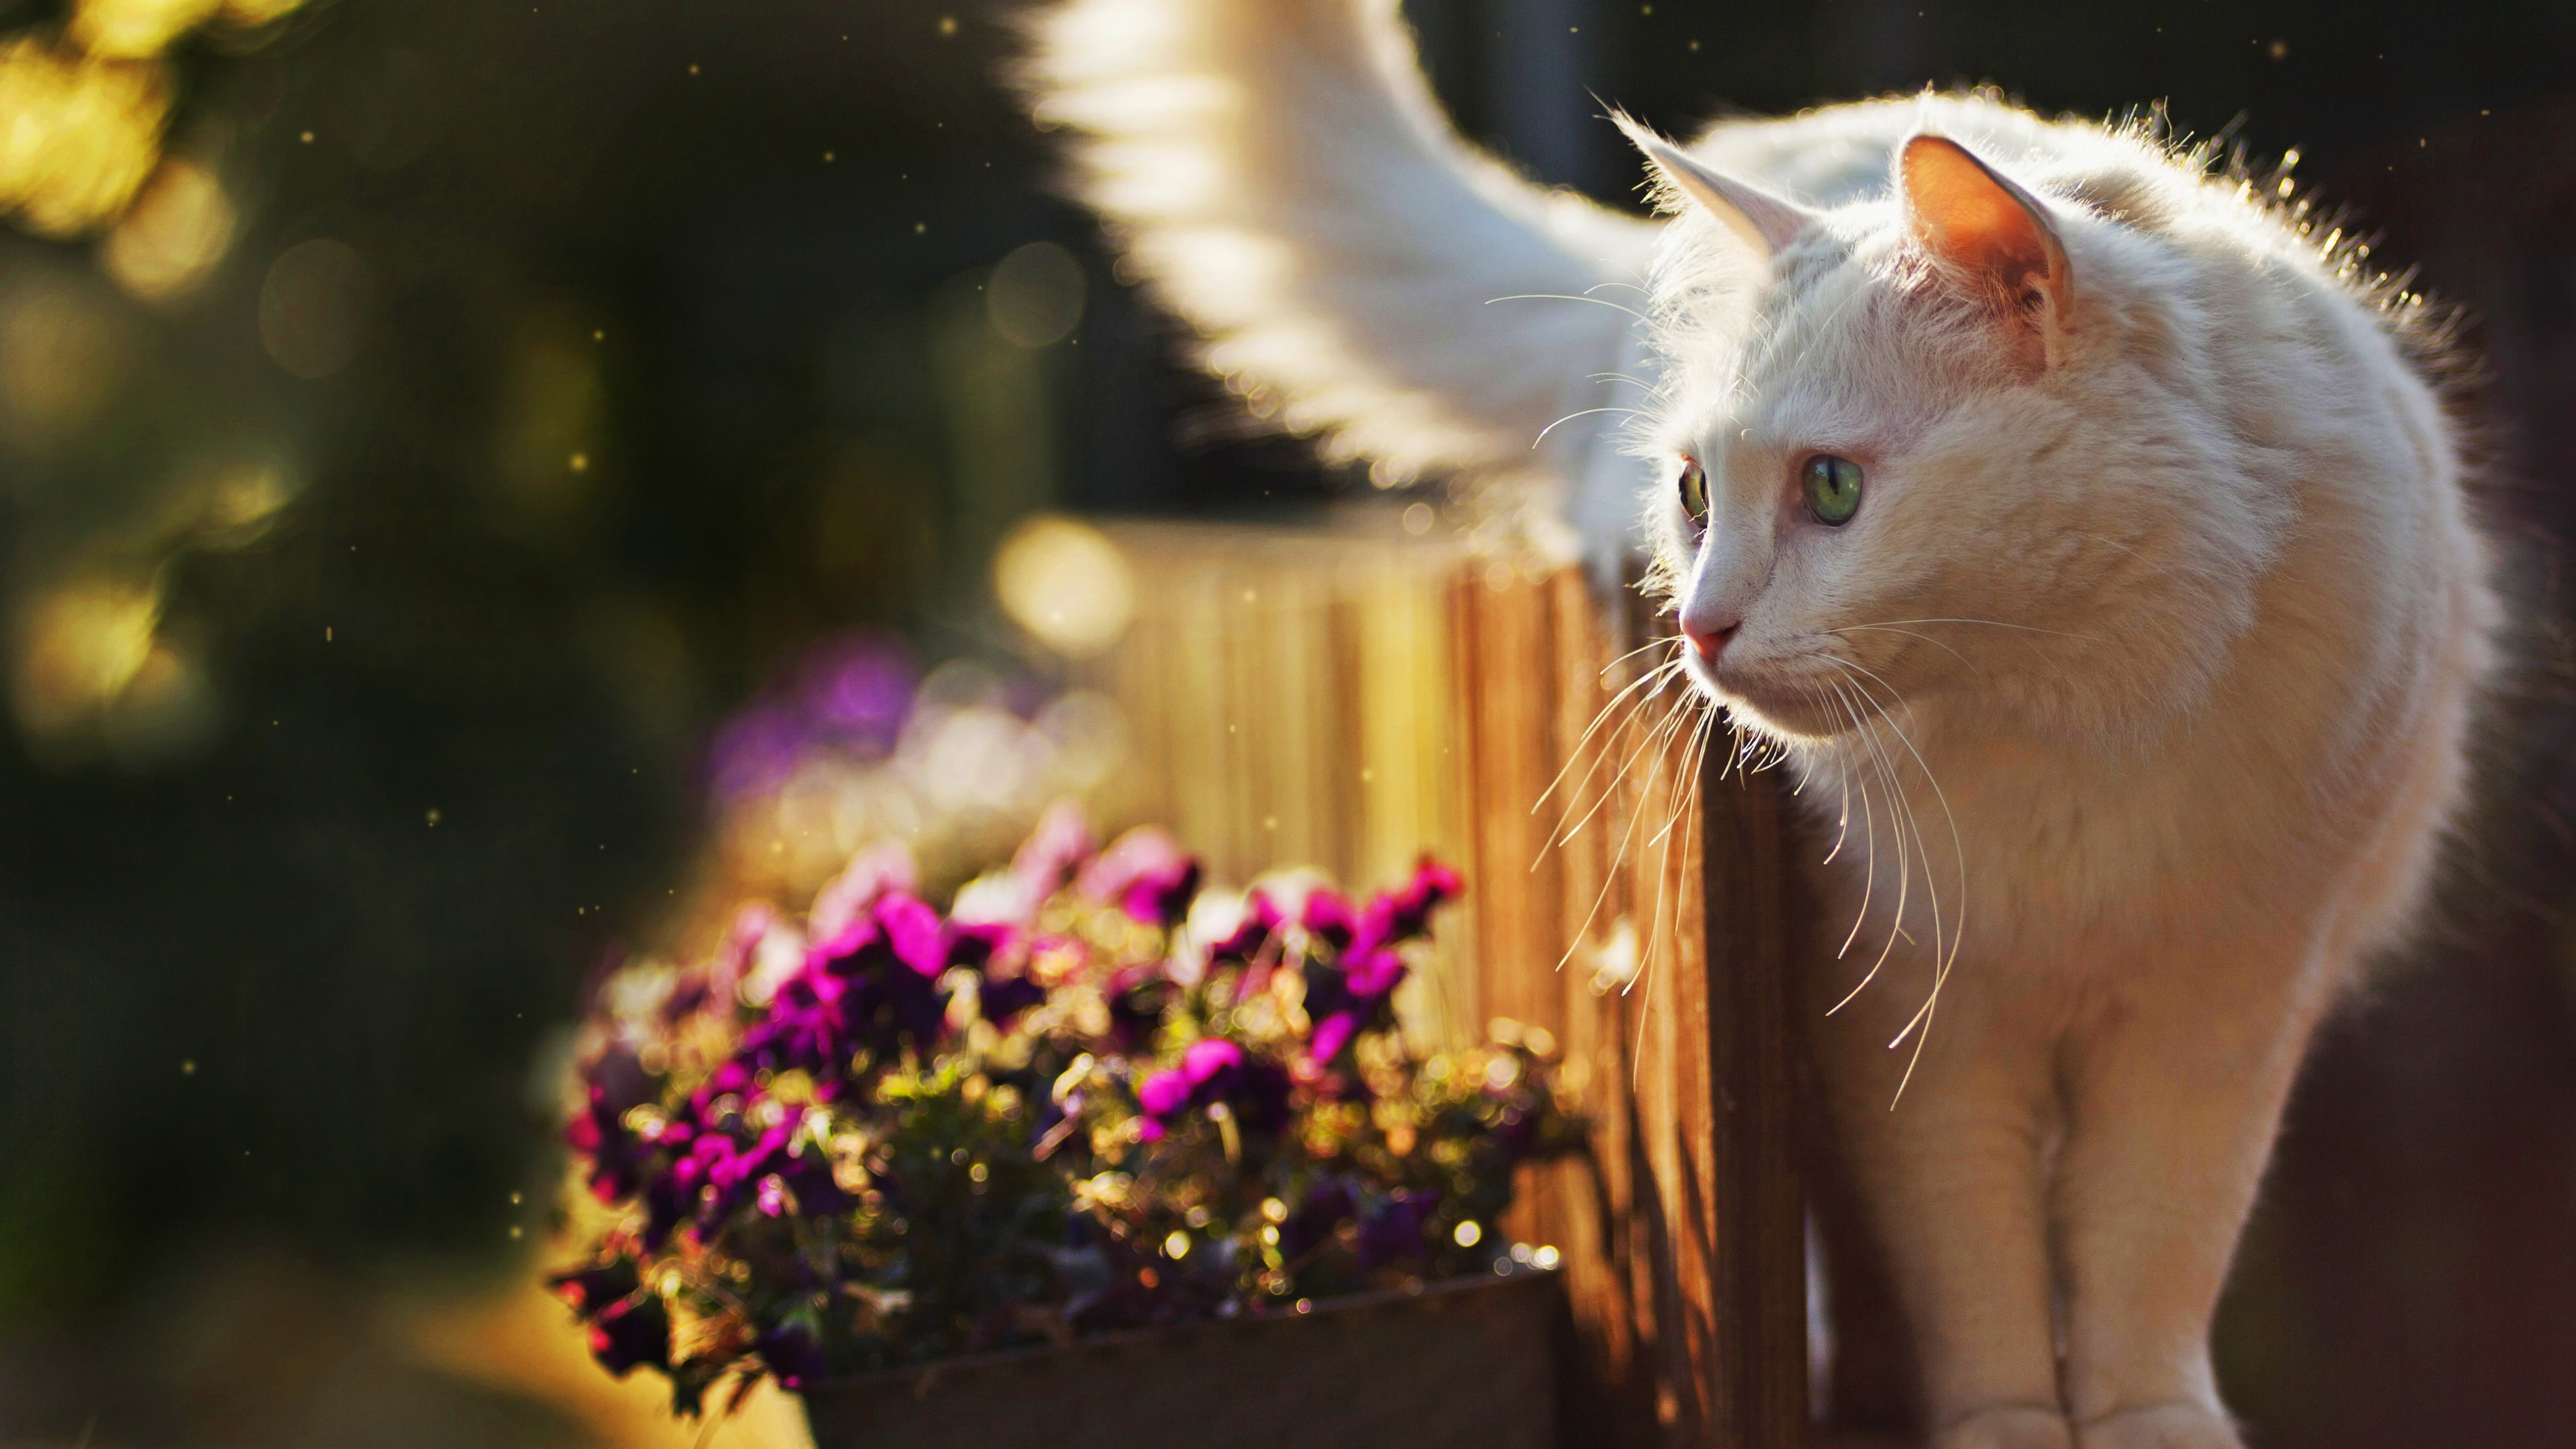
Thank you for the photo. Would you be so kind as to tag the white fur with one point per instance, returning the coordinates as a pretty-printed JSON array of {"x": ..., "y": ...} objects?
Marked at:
[
  {"x": 1280, "y": 174},
  {"x": 2141, "y": 679}
]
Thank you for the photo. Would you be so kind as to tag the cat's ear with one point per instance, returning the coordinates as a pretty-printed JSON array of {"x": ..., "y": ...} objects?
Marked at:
[
  {"x": 1988, "y": 233},
  {"x": 1762, "y": 219}
]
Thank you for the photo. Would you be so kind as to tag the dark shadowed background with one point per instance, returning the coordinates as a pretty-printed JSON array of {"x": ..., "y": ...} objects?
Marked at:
[{"x": 376, "y": 572}]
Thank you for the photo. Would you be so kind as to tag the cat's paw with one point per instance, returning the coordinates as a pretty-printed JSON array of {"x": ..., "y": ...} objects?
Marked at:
[
  {"x": 2159, "y": 1426},
  {"x": 2007, "y": 1426}
]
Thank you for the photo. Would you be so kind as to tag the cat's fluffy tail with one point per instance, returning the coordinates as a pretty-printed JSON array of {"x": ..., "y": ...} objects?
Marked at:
[{"x": 1280, "y": 173}]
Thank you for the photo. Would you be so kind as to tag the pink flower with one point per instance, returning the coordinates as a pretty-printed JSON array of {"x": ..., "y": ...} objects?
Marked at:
[
  {"x": 881, "y": 869},
  {"x": 1164, "y": 1093},
  {"x": 1374, "y": 973},
  {"x": 913, "y": 929},
  {"x": 1331, "y": 1035},
  {"x": 1208, "y": 1056},
  {"x": 1405, "y": 912},
  {"x": 750, "y": 925},
  {"x": 1329, "y": 917},
  {"x": 1146, "y": 873},
  {"x": 1062, "y": 841},
  {"x": 772, "y": 1197},
  {"x": 1215, "y": 1070}
]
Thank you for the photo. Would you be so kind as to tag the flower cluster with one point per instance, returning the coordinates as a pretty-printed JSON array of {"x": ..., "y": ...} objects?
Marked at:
[
  {"x": 1093, "y": 1095},
  {"x": 850, "y": 742}
]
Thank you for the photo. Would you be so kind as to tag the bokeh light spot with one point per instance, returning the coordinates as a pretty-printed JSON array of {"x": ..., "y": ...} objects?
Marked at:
[
  {"x": 1065, "y": 583},
  {"x": 176, "y": 232},
  {"x": 60, "y": 358},
  {"x": 82, "y": 645},
  {"x": 313, "y": 307},
  {"x": 1035, "y": 295},
  {"x": 136, "y": 29},
  {"x": 77, "y": 135},
  {"x": 242, "y": 502}
]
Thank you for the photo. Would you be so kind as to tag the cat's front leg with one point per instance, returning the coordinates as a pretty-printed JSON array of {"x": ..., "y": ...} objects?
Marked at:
[
  {"x": 1952, "y": 1176},
  {"x": 2175, "y": 1085}
]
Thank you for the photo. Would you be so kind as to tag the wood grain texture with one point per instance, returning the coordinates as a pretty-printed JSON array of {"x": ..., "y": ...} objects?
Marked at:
[
  {"x": 1655, "y": 942},
  {"x": 1627, "y": 896}
]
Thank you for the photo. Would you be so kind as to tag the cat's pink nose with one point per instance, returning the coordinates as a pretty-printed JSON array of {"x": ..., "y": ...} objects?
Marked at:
[{"x": 1709, "y": 643}]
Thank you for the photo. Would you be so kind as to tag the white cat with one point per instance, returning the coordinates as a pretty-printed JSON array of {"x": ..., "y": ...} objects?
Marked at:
[{"x": 2078, "y": 523}]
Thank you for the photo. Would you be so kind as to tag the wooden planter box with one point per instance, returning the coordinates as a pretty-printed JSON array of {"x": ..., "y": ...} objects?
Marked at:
[{"x": 1470, "y": 1364}]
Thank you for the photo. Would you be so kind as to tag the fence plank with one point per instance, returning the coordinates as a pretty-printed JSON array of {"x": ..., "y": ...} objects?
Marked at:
[{"x": 1654, "y": 944}]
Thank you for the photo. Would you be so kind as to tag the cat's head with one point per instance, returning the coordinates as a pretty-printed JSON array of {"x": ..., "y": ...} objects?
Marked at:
[{"x": 1952, "y": 447}]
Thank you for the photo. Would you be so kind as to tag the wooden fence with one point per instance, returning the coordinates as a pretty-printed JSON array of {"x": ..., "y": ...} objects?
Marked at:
[{"x": 1348, "y": 697}]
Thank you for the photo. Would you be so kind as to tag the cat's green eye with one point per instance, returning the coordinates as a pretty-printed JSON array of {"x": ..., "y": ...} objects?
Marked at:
[
  {"x": 1832, "y": 487},
  {"x": 1694, "y": 489}
]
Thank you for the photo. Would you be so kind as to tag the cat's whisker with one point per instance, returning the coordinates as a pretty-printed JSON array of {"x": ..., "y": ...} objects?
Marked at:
[
  {"x": 1869, "y": 882},
  {"x": 1900, "y": 819},
  {"x": 1611, "y": 873},
  {"x": 1942, "y": 961},
  {"x": 1869, "y": 836},
  {"x": 1988, "y": 623},
  {"x": 1558, "y": 838},
  {"x": 1910, "y": 634},
  {"x": 1566, "y": 297},
  {"x": 1842, "y": 823},
  {"x": 1913, "y": 823},
  {"x": 1579, "y": 413},
  {"x": 1696, "y": 750},
  {"x": 1671, "y": 642},
  {"x": 1651, "y": 681},
  {"x": 1959, "y": 849},
  {"x": 1655, "y": 947}
]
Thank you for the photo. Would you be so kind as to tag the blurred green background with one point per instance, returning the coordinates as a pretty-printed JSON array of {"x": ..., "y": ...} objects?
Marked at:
[{"x": 421, "y": 421}]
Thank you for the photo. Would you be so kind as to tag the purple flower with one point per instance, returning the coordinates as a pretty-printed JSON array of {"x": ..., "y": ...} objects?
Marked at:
[
  {"x": 1327, "y": 1206},
  {"x": 900, "y": 922},
  {"x": 1391, "y": 1230},
  {"x": 595, "y": 1289},
  {"x": 1405, "y": 912},
  {"x": 1329, "y": 918},
  {"x": 1373, "y": 975},
  {"x": 733, "y": 1176},
  {"x": 858, "y": 690},
  {"x": 1331, "y": 1035},
  {"x": 750, "y": 926},
  {"x": 617, "y": 1084},
  {"x": 1208, "y": 1056},
  {"x": 793, "y": 1353},
  {"x": 636, "y": 1331},
  {"x": 1342, "y": 1000},
  {"x": 1000, "y": 1001},
  {"x": 1146, "y": 873},
  {"x": 883, "y": 869},
  {"x": 976, "y": 945},
  {"x": 873, "y": 983},
  {"x": 806, "y": 1028},
  {"x": 1137, "y": 1000},
  {"x": 1214, "y": 1070},
  {"x": 1163, "y": 1093},
  {"x": 1062, "y": 840},
  {"x": 672, "y": 1196},
  {"x": 755, "y": 750},
  {"x": 1261, "y": 921},
  {"x": 885, "y": 966}
]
